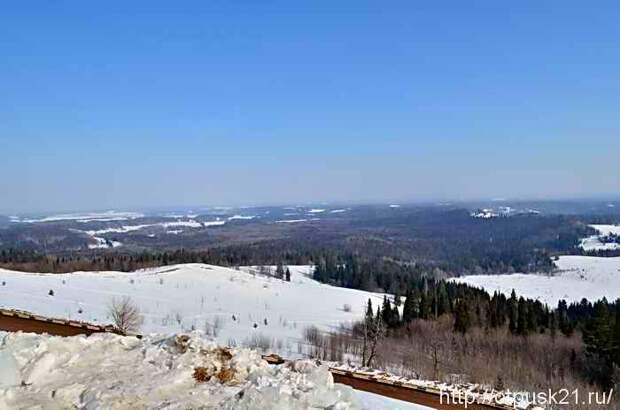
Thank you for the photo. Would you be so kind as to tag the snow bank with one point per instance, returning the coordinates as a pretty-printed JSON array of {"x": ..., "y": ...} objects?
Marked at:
[{"x": 116, "y": 372}]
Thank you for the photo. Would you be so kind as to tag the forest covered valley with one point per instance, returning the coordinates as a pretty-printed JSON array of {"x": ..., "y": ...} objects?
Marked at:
[{"x": 420, "y": 321}]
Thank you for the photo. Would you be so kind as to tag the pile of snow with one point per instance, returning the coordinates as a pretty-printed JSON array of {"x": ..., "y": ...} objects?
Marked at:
[
  {"x": 231, "y": 305},
  {"x": 111, "y": 371},
  {"x": 577, "y": 277},
  {"x": 595, "y": 243}
]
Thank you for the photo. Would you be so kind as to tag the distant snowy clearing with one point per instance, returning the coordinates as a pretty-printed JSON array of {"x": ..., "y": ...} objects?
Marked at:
[
  {"x": 84, "y": 217},
  {"x": 577, "y": 277},
  {"x": 594, "y": 242},
  {"x": 233, "y": 306}
]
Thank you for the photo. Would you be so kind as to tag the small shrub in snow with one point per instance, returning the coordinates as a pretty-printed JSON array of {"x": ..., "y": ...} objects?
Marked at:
[
  {"x": 51, "y": 292},
  {"x": 218, "y": 323},
  {"x": 213, "y": 329},
  {"x": 225, "y": 375},
  {"x": 312, "y": 335},
  {"x": 201, "y": 374},
  {"x": 258, "y": 341},
  {"x": 125, "y": 315}
]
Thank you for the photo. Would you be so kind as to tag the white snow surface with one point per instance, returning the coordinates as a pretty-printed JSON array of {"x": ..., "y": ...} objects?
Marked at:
[
  {"x": 87, "y": 217},
  {"x": 180, "y": 298},
  {"x": 594, "y": 243},
  {"x": 101, "y": 243},
  {"x": 115, "y": 372},
  {"x": 120, "y": 229},
  {"x": 189, "y": 224},
  {"x": 241, "y": 217},
  {"x": 577, "y": 277},
  {"x": 371, "y": 401},
  {"x": 291, "y": 221}
]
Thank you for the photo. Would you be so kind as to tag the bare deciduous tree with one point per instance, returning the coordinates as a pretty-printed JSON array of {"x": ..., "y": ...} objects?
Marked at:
[
  {"x": 125, "y": 315},
  {"x": 374, "y": 332}
]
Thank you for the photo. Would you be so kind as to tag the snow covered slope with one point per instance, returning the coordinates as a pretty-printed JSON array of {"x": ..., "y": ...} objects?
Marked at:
[
  {"x": 115, "y": 372},
  {"x": 594, "y": 242},
  {"x": 577, "y": 277},
  {"x": 234, "y": 306}
]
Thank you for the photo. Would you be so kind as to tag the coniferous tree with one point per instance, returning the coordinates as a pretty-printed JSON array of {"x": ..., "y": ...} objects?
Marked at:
[
  {"x": 513, "y": 312},
  {"x": 409, "y": 308},
  {"x": 616, "y": 336},
  {"x": 369, "y": 312},
  {"x": 553, "y": 324},
  {"x": 531, "y": 320},
  {"x": 598, "y": 341},
  {"x": 424, "y": 307},
  {"x": 443, "y": 300},
  {"x": 280, "y": 271},
  {"x": 461, "y": 318},
  {"x": 522, "y": 310},
  {"x": 597, "y": 334}
]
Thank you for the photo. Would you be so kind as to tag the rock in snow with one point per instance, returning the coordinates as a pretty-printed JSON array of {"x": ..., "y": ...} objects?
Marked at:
[{"x": 116, "y": 372}]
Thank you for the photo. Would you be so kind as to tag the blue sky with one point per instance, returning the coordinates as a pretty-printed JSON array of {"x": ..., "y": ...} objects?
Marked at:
[{"x": 120, "y": 105}]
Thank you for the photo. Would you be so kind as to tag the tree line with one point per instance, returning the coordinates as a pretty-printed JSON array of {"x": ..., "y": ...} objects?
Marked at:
[{"x": 423, "y": 297}]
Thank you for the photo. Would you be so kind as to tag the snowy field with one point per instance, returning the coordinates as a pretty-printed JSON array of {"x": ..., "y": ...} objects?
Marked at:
[
  {"x": 233, "y": 306},
  {"x": 594, "y": 243},
  {"x": 176, "y": 299},
  {"x": 577, "y": 277}
]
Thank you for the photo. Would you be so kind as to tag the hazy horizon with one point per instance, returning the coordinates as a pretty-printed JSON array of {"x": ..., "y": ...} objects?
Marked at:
[
  {"x": 496, "y": 202},
  {"x": 150, "y": 104}
]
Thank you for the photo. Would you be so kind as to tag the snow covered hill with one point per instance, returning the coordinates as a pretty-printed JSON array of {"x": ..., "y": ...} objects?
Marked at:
[
  {"x": 595, "y": 242},
  {"x": 225, "y": 303},
  {"x": 233, "y": 306},
  {"x": 577, "y": 277},
  {"x": 115, "y": 372}
]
